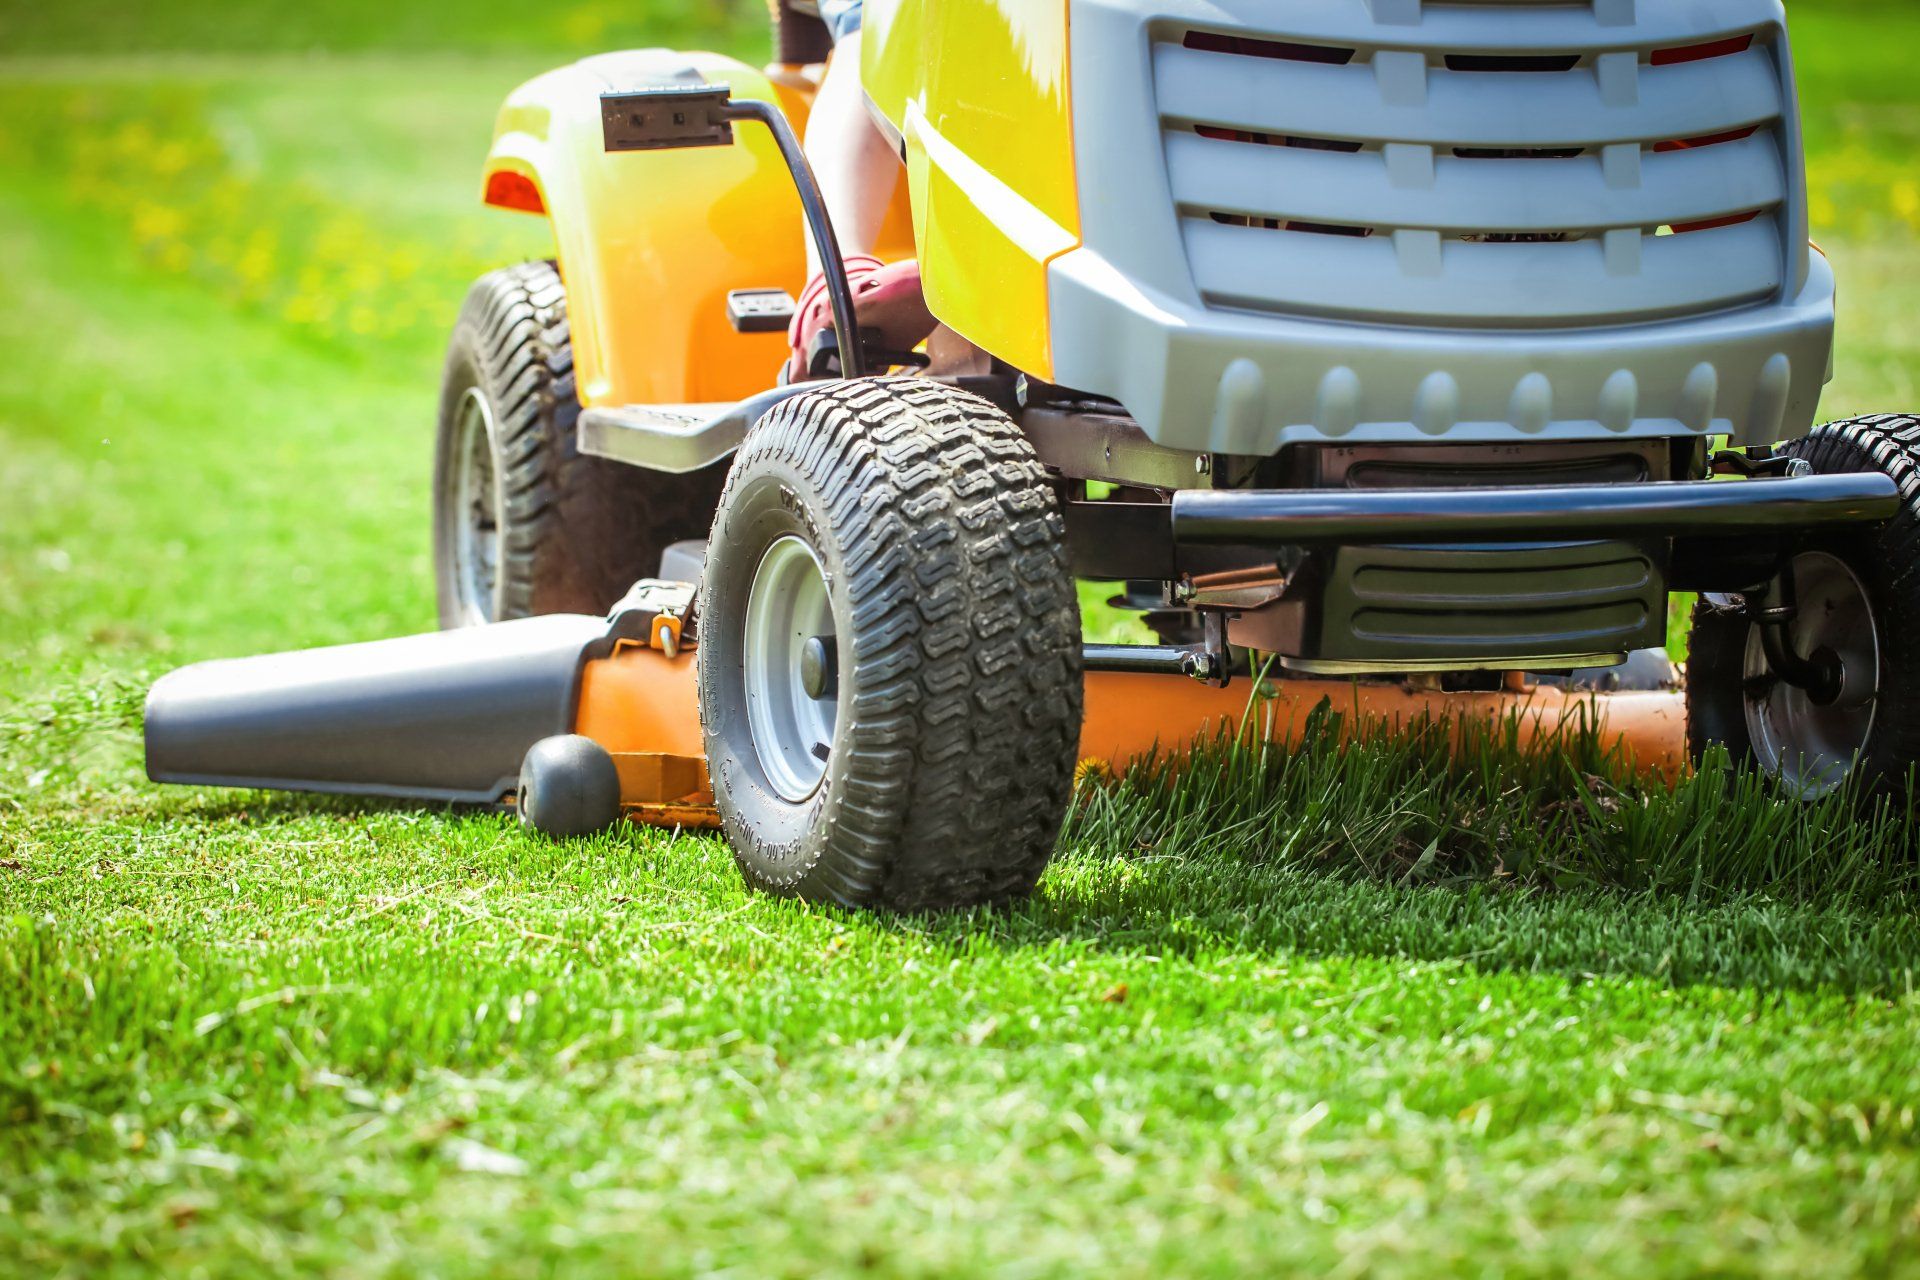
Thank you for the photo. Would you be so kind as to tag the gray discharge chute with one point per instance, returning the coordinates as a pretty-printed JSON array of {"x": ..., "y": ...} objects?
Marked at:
[{"x": 446, "y": 716}]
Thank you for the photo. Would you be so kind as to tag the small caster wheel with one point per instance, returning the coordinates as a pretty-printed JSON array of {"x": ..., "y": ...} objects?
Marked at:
[{"x": 568, "y": 787}]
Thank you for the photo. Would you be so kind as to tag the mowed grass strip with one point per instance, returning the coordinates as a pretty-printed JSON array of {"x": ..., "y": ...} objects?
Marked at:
[
  {"x": 256, "y": 1031},
  {"x": 1377, "y": 1009},
  {"x": 266, "y": 1030}
]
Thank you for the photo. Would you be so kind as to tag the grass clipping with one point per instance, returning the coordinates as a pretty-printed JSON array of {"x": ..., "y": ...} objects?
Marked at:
[{"x": 1438, "y": 800}]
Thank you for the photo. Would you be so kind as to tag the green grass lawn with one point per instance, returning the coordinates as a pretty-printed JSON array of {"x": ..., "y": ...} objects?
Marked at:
[{"x": 1363, "y": 1011}]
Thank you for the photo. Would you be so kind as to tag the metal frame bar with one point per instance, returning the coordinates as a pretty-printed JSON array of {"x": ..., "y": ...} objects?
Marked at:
[
  {"x": 1299, "y": 517},
  {"x": 670, "y": 116},
  {"x": 832, "y": 265}
]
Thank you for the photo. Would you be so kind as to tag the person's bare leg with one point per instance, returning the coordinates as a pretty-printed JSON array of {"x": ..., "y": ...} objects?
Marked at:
[
  {"x": 857, "y": 169},
  {"x": 851, "y": 158}
]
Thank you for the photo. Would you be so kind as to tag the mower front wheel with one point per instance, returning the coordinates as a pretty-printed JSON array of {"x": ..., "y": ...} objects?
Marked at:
[
  {"x": 890, "y": 663},
  {"x": 1857, "y": 610}
]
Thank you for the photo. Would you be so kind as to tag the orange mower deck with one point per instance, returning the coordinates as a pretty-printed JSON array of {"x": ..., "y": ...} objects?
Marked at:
[{"x": 642, "y": 705}]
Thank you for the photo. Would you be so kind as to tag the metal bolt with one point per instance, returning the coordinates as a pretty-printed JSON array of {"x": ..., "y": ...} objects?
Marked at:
[{"x": 819, "y": 665}]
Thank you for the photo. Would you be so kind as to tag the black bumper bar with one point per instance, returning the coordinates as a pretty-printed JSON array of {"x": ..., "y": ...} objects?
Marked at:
[
  {"x": 1143, "y": 659},
  {"x": 1306, "y": 517}
]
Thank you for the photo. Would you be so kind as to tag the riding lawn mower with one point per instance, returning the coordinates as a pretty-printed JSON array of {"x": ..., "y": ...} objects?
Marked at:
[{"x": 1398, "y": 355}]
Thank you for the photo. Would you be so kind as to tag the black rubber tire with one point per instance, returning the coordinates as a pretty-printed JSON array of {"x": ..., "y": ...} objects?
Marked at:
[
  {"x": 1887, "y": 560},
  {"x": 575, "y": 531},
  {"x": 569, "y": 787},
  {"x": 959, "y": 676}
]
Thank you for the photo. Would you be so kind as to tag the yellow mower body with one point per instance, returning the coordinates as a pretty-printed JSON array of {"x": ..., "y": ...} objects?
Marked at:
[
  {"x": 978, "y": 93},
  {"x": 1385, "y": 351},
  {"x": 649, "y": 251},
  {"x": 1042, "y": 273}
]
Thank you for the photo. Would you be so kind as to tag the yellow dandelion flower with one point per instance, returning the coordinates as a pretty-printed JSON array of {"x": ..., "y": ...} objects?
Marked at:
[
  {"x": 1906, "y": 201},
  {"x": 170, "y": 158},
  {"x": 153, "y": 223},
  {"x": 584, "y": 25},
  {"x": 1822, "y": 210},
  {"x": 1093, "y": 771}
]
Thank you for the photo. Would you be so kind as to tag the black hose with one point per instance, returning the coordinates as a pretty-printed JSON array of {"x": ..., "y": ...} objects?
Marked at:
[{"x": 832, "y": 265}]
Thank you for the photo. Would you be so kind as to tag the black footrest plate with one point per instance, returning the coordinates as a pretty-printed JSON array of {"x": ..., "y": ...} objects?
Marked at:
[
  {"x": 665, "y": 117},
  {"x": 760, "y": 310}
]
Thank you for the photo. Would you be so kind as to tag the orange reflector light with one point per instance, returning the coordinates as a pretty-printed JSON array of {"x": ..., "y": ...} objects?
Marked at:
[
  {"x": 1713, "y": 224},
  {"x": 509, "y": 190},
  {"x": 1711, "y": 140},
  {"x": 1699, "y": 52}
]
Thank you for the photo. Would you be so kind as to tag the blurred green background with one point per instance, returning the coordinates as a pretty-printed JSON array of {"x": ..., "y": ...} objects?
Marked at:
[{"x": 234, "y": 237}]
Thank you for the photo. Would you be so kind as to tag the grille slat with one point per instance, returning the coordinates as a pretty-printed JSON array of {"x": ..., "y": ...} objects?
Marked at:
[
  {"x": 1523, "y": 27},
  {"x": 1611, "y": 175},
  {"x": 1473, "y": 196},
  {"x": 1482, "y": 284},
  {"x": 1464, "y": 108}
]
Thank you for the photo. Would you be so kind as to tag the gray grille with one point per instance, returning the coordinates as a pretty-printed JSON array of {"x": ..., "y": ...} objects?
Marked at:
[{"x": 1491, "y": 164}]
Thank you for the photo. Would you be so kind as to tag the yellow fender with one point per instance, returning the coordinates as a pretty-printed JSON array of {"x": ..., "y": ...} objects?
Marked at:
[
  {"x": 978, "y": 93},
  {"x": 649, "y": 243}
]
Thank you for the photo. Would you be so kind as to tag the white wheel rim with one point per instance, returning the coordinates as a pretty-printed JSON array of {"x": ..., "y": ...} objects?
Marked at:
[
  {"x": 476, "y": 512},
  {"x": 1811, "y": 747},
  {"x": 786, "y": 607}
]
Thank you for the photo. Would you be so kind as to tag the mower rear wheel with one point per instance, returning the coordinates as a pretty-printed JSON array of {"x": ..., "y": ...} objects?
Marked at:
[
  {"x": 889, "y": 653},
  {"x": 523, "y": 523},
  {"x": 1859, "y": 605}
]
